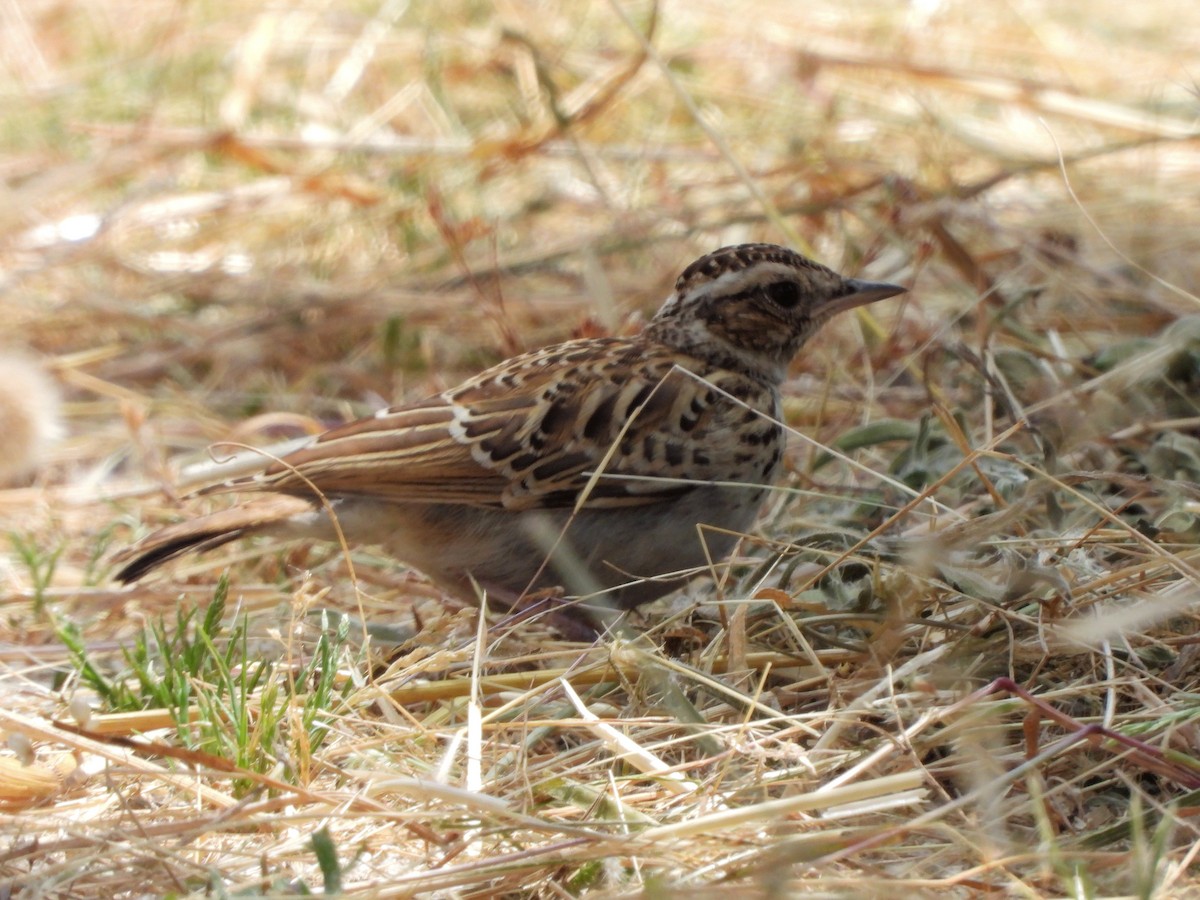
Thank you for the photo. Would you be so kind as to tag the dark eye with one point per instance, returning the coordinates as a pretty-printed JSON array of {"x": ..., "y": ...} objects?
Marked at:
[{"x": 784, "y": 293}]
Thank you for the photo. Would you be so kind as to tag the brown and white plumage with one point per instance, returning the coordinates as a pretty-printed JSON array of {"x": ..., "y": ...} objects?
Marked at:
[{"x": 587, "y": 465}]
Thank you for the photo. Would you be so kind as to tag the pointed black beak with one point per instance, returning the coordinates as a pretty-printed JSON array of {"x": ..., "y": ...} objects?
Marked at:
[{"x": 861, "y": 293}]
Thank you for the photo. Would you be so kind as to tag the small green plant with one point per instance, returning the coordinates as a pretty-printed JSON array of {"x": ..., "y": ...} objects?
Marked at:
[
  {"x": 224, "y": 696},
  {"x": 41, "y": 564},
  {"x": 327, "y": 859}
]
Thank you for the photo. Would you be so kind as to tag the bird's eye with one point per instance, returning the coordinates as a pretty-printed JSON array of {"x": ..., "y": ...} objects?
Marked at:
[{"x": 784, "y": 293}]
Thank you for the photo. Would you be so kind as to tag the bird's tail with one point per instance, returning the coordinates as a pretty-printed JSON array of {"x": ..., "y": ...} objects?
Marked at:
[{"x": 262, "y": 515}]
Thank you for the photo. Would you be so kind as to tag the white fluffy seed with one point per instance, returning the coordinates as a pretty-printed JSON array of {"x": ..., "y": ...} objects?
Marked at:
[{"x": 29, "y": 417}]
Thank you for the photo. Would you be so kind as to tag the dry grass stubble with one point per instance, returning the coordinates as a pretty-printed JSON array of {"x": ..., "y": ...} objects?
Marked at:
[{"x": 230, "y": 223}]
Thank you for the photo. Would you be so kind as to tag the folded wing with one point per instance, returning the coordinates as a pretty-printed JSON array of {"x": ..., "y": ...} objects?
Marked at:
[{"x": 592, "y": 421}]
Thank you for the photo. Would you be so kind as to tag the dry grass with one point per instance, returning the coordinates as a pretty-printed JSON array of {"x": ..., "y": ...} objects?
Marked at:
[{"x": 231, "y": 222}]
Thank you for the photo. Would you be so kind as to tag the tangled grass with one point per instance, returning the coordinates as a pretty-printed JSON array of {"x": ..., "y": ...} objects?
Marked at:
[{"x": 959, "y": 652}]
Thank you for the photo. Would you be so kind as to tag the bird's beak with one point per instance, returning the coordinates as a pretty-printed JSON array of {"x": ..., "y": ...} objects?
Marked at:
[{"x": 863, "y": 292}]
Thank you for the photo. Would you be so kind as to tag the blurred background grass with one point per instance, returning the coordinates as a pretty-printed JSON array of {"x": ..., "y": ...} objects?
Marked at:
[{"x": 246, "y": 221}]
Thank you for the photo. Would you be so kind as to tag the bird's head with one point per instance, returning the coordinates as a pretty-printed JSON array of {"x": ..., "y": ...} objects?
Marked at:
[{"x": 755, "y": 305}]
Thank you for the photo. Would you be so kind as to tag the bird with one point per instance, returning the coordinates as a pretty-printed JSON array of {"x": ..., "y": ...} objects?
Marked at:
[{"x": 603, "y": 471}]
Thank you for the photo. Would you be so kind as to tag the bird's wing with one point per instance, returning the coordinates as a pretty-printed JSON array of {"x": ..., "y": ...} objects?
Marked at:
[{"x": 614, "y": 421}]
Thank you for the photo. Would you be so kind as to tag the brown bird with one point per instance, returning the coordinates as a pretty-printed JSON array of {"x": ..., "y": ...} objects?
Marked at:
[{"x": 613, "y": 468}]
